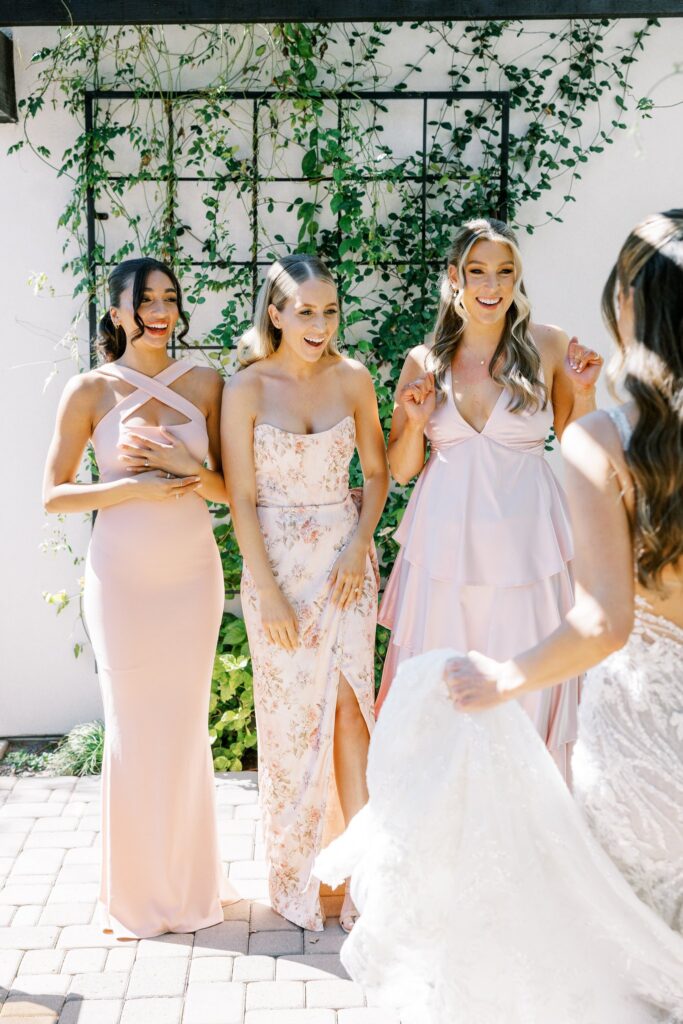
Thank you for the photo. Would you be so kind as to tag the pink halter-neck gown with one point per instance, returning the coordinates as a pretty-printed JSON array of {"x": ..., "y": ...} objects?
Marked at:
[
  {"x": 485, "y": 551},
  {"x": 153, "y": 603}
]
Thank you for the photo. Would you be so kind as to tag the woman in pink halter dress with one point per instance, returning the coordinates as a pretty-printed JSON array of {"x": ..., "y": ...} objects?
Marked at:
[
  {"x": 153, "y": 603},
  {"x": 485, "y": 540}
]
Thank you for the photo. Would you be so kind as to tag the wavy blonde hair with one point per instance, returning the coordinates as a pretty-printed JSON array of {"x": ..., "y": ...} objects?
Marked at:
[
  {"x": 263, "y": 337},
  {"x": 651, "y": 369},
  {"x": 516, "y": 363}
]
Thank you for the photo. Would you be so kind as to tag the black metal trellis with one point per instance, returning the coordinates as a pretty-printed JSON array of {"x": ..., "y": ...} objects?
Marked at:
[{"x": 259, "y": 98}]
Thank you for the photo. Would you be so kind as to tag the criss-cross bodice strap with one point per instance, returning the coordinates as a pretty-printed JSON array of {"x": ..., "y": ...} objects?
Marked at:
[{"x": 152, "y": 387}]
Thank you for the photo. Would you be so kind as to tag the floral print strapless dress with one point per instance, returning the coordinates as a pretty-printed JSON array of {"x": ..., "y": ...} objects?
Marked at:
[{"x": 307, "y": 515}]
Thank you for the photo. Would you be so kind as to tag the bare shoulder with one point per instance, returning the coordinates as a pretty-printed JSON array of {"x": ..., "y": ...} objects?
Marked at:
[
  {"x": 416, "y": 358},
  {"x": 353, "y": 371},
  {"x": 593, "y": 440},
  {"x": 551, "y": 341},
  {"x": 245, "y": 386},
  {"x": 208, "y": 379},
  {"x": 84, "y": 391}
]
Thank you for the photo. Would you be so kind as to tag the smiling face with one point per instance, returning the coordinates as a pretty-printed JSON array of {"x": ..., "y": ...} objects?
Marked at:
[
  {"x": 309, "y": 318},
  {"x": 488, "y": 287},
  {"x": 158, "y": 311}
]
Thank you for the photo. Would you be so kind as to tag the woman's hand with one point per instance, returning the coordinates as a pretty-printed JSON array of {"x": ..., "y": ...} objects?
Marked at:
[
  {"x": 278, "y": 619},
  {"x": 418, "y": 399},
  {"x": 476, "y": 682},
  {"x": 347, "y": 575},
  {"x": 582, "y": 366},
  {"x": 153, "y": 485},
  {"x": 169, "y": 455}
]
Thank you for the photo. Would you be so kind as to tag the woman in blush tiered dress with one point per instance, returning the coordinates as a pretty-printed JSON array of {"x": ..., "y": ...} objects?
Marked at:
[
  {"x": 485, "y": 540},
  {"x": 292, "y": 419},
  {"x": 153, "y": 601}
]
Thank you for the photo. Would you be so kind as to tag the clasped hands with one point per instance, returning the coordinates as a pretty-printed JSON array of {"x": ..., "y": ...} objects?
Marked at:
[{"x": 167, "y": 465}]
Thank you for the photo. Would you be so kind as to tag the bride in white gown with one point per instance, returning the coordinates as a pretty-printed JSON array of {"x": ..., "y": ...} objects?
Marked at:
[{"x": 487, "y": 895}]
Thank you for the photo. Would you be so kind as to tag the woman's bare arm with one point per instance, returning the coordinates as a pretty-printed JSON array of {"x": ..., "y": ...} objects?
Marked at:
[{"x": 407, "y": 445}]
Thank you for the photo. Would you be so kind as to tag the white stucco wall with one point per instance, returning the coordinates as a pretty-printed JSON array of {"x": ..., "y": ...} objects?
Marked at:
[{"x": 43, "y": 689}]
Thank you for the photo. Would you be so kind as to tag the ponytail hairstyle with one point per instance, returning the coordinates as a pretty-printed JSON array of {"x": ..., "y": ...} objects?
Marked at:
[
  {"x": 650, "y": 366},
  {"x": 263, "y": 337},
  {"x": 516, "y": 363},
  {"x": 110, "y": 342}
]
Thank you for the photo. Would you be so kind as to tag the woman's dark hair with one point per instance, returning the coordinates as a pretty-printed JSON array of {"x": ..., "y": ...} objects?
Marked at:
[
  {"x": 651, "y": 368},
  {"x": 111, "y": 340}
]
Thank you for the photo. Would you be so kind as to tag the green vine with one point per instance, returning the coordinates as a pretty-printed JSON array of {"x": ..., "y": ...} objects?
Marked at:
[{"x": 356, "y": 197}]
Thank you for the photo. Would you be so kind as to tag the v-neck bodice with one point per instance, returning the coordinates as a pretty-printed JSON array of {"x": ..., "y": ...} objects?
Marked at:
[{"x": 114, "y": 427}]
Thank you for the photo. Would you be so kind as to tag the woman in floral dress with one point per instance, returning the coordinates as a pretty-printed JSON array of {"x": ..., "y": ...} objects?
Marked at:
[{"x": 291, "y": 422}]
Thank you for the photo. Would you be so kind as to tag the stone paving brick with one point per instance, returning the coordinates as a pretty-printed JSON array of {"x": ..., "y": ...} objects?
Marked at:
[
  {"x": 14, "y": 878},
  {"x": 334, "y": 995},
  {"x": 264, "y": 919},
  {"x": 236, "y": 847},
  {"x": 254, "y": 968},
  {"x": 310, "y": 967},
  {"x": 178, "y": 944},
  {"x": 330, "y": 940},
  {"x": 120, "y": 959},
  {"x": 28, "y": 1006},
  {"x": 37, "y": 937},
  {"x": 290, "y": 1017},
  {"x": 10, "y": 845},
  {"x": 78, "y": 935},
  {"x": 228, "y": 937},
  {"x": 96, "y": 1011},
  {"x": 276, "y": 943},
  {"x": 42, "y": 961},
  {"x": 214, "y": 968},
  {"x": 74, "y": 893},
  {"x": 219, "y": 1002},
  {"x": 100, "y": 985},
  {"x": 85, "y": 856},
  {"x": 238, "y": 911},
  {"x": 368, "y": 1015},
  {"x": 249, "y": 811},
  {"x": 236, "y": 826},
  {"x": 6, "y": 915},
  {"x": 252, "y": 888},
  {"x": 78, "y": 873},
  {"x": 234, "y": 796},
  {"x": 91, "y": 822},
  {"x": 29, "y": 794},
  {"x": 59, "y": 840},
  {"x": 38, "y": 862},
  {"x": 12, "y": 825},
  {"x": 22, "y": 894},
  {"x": 24, "y": 810},
  {"x": 152, "y": 1011},
  {"x": 26, "y": 916},
  {"x": 275, "y": 995},
  {"x": 60, "y": 796},
  {"x": 81, "y": 961},
  {"x": 56, "y": 824},
  {"x": 41, "y": 984},
  {"x": 9, "y": 964},
  {"x": 63, "y": 914},
  {"x": 158, "y": 976},
  {"x": 248, "y": 869}
]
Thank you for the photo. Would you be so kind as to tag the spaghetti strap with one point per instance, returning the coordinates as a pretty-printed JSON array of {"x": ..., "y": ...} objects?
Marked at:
[{"x": 621, "y": 422}]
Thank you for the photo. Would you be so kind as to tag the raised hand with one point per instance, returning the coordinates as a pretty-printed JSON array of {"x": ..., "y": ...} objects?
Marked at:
[
  {"x": 582, "y": 365},
  {"x": 418, "y": 398},
  {"x": 476, "y": 682},
  {"x": 169, "y": 454}
]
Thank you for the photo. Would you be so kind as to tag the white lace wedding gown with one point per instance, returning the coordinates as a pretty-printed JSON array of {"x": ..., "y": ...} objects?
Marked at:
[{"x": 484, "y": 897}]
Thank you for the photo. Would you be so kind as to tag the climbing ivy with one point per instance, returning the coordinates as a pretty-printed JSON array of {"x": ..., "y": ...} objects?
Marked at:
[{"x": 356, "y": 197}]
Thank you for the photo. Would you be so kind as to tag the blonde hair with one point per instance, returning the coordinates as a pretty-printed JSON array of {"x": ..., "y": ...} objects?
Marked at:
[
  {"x": 651, "y": 365},
  {"x": 521, "y": 362},
  {"x": 263, "y": 337}
]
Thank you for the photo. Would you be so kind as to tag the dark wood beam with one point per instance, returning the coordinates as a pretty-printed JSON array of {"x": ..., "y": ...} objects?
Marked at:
[
  {"x": 187, "y": 12},
  {"x": 8, "y": 98}
]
